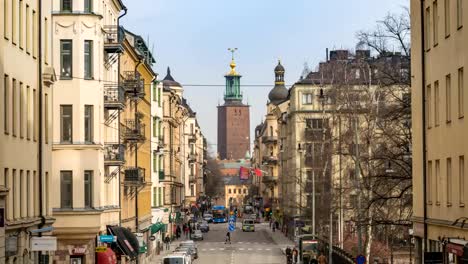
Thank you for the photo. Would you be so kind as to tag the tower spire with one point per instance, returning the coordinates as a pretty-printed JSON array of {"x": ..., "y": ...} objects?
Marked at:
[{"x": 233, "y": 92}]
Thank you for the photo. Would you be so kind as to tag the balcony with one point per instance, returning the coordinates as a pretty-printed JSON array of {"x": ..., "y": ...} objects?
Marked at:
[
  {"x": 192, "y": 178},
  {"x": 134, "y": 176},
  {"x": 270, "y": 159},
  {"x": 161, "y": 142},
  {"x": 192, "y": 138},
  {"x": 113, "y": 38},
  {"x": 313, "y": 134},
  {"x": 192, "y": 157},
  {"x": 114, "y": 96},
  {"x": 269, "y": 179},
  {"x": 114, "y": 154},
  {"x": 269, "y": 139},
  {"x": 133, "y": 130},
  {"x": 133, "y": 84}
]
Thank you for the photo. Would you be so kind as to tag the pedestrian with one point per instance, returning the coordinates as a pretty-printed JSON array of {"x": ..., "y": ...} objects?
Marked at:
[
  {"x": 288, "y": 255},
  {"x": 228, "y": 238},
  {"x": 271, "y": 222},
  {"x": 277, "y": 224},
  {"x": 322, "y": 259},
  {"x": 167, "y": 241},
  {"x": 178, "y": 232},
  {"x": 274, "y": 228},
  {"x": 295, "y": 255},
  {"x": 186, "y": 231}
]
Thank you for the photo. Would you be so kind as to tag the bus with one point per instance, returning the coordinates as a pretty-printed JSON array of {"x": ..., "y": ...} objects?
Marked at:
[{"x": 219, "y": 214}]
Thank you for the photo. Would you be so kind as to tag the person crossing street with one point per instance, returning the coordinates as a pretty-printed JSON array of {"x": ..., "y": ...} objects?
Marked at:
[{"x": 228, "y": 238}]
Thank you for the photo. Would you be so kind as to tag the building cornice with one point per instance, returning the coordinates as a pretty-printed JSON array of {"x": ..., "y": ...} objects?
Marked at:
[{"x": 76, "y": 13}]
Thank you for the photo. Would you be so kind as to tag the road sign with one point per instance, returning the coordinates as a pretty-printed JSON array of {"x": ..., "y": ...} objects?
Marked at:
[
  {"x": 107, "y": 238},
  {"x": 360, "y": 259},
  {"x": 232, "y": 227},
  {"x": 101, "y": 249},
  {"x": 43, "y": 243}
]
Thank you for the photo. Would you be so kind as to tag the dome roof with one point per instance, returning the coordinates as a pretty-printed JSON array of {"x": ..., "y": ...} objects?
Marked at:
[
  {"x": 279, "y": 93},
  {"x": 169, "y": 80},
  {"x": 279, "y": 67}
]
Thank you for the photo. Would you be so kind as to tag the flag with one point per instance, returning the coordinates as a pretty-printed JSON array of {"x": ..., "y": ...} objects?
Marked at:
[
  {"x": 258, "y": 172},
  {"x": 244, "y": 173}
]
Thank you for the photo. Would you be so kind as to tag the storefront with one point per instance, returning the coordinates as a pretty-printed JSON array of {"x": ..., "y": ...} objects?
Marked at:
[
  {"x": 456, "y": 251},
  {"x": 127, "y": 246}
]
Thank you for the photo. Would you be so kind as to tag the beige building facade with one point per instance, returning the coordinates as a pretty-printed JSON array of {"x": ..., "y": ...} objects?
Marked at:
[
  {"x": 26, "y": 119},
  {"x": 439, "y": 56}
]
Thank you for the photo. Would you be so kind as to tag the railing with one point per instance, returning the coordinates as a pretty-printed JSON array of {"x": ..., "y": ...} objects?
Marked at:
[
  {"x": 133, "y": 84},
  {"x": 114, "y": 96},
  {"x": 133, "y": 130},
  {"x": 192, "y": 138},
  {"x": 114, "y": 153},
  {"x": 192, "y": 157},
  {"x": 113, "y": 38},
  {"x": 134, "y": 176},
  {"x": 269, "y": 139},
  {"x": 270, "y": 159}
]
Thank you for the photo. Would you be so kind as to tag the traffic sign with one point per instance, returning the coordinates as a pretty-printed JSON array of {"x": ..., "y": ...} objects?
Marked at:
[
  {"x": 101, "y": 249},
  {"x": 107, "y": 238},
  {"x": 232, "y": 227},
  {"x": 360, "y": 259}
]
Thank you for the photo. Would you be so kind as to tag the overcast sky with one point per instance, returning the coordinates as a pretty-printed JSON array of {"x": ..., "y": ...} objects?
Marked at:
[{"x": 192, "y": 37}]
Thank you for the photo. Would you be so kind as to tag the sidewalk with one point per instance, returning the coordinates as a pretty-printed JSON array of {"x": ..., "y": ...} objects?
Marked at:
[
  {"x": 278, "y": 237},
  {"x": 158, "y": 258}
]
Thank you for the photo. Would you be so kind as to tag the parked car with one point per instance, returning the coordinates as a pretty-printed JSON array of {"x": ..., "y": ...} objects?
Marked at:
[
  {"x": 248, "y": 225},
  {"x": 208, "y": 218},
  {"x": 187, "y": 250},
  {"x": 177, "y": 258},
  {"x": 197, "y": 235},
  {"x": 191, "y": 249},
  {"x": 204, "y": 227}
]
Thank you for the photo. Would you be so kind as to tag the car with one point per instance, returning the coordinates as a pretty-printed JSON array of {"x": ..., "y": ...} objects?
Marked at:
[
  {"x": 204, "y": 227},
  {"x": 248, "y": 225},
  {"x": 197, "y": 235},
  {"x": 254, "y": 217},
  {"x": 208, "y": 218},
  {"x": 190, "y": 249},
  {"x": 177, "y": 258}
]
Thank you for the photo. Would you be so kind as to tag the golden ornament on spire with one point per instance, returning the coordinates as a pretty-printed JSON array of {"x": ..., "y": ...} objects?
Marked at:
[{"x": 233, "y": 63}]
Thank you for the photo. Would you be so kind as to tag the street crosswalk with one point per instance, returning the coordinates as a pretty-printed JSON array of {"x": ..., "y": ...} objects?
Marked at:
[{"x": 236, "y": 249}]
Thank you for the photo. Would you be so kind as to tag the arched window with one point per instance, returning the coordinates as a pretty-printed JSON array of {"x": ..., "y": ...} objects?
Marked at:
[
  {"x": 229, "y": 191},
  {"x": 271, "y": 131}
]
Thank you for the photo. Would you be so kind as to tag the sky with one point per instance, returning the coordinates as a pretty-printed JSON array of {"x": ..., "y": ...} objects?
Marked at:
[{"x": 192, "y": 37}]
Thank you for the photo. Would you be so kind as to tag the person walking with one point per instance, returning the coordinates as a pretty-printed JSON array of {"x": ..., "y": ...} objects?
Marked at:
[
  {"x": 167, "y": 241},
  {"x": 295, "y": 255},
  {"x": 178, "y": 232},
  {"x": 228, "y": 238},
  {"x": 322, "y": 259},
  {"x": 288, "y": 255}
]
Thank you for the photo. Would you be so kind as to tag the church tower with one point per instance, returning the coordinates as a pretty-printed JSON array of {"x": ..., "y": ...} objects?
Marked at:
[{"x": 233, "y": 119}]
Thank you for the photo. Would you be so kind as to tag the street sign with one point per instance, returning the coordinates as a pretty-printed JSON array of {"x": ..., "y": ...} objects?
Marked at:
[
  {"x": 43, "y": 243},
  {"x": 107, "y": 238},
  {"x": 101, "y": 249},
  {"x": 232, "y": 227},
  {"x": 360, "y": 259}
]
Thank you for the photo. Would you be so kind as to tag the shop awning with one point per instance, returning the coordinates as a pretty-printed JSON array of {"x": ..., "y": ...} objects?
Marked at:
[
  {"x": 127, "y": 241},
  {"x": 107, "y": 257},
  {"x": 455, "y": 249},
  {"x": 157, "y": 227}
]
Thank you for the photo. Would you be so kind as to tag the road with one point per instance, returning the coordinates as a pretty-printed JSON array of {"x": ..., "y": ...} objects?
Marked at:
[{"x": 246, "y": 248}]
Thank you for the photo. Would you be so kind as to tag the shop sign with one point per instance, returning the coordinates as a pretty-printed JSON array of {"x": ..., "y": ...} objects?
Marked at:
[
  {"x": 43, "y": 243},
  {"x": 78, "y": 250},
  {"x": 107, "y": 238},
  {"x": 101, "y": 249}
]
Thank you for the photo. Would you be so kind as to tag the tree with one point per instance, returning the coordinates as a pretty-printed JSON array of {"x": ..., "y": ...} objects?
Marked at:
[{"x": 214, "y": 185}]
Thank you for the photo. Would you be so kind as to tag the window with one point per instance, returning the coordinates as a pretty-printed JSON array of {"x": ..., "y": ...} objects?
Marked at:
[
  {"x": 449, "y": 182},
  {"x": 155, "y": 162},
  {"x": 437, "y": 181},
  {"x": 66, "y": 62},
  {"x": 28, "y": 194},
  {"x": 161, "y": 196},
  {"x": 245, "y": 191},
  {"x": 435, "y": 23},
  {"x": 307, "y": 99},
  {"x": 448, "y": 98},
  {"x": 88, "y": 189},
  {"x": 66, "y": 124},
  {"x": 155, "y": 197},
  {"x": 159, "y": 97},
  {"x": 88, "y": 123},
  {"x": 28, "y": 112},
  {"x": 88, "y": 6},
  {"x": 436, "y": 103},
  {"x": 229, "y": 191},
  {"x": 35, "y": 116},
  {"x": 234, "y": 191},
  {"x": 461, "y": 180},
  {"x": 191, "y": 128},
  {"x": 271, "y": 131},
  {"x": 34, "y": 36},
  {"x": 315, "y": 123},
  {"x": 460, "y": 13},
  {"x": 155, "y": 126},
  {"x": 22, "y": 201},
  {"x": 66, "y": 189},
  {"x": 192, "y": 190},
  {"x": 88, "y": 59},
  {"x": 28, "y": 30},
  {"x": 13, "y": 106},
  {"x": 13, "y": 20},
  {"x": 155, "y": 91},
  {"x": 21, "y": 110},
  {"x": 447, "y": 17},
  {"x": 6, "y": 104},
  {"x": 20, "y": 24},
  {"x": 66, "y": 6},
  {"x": 427, "y": 27},
  {"x": 46, "y": 118},
  {"x": 460, "y": 93},
  {"x": 9, "y": 203},
  {"x": 46, "y": 41},
  {"x": 428, "y": 107},
  {"x": 6, "y": 26},
  {"x": 429, "y": 182}
]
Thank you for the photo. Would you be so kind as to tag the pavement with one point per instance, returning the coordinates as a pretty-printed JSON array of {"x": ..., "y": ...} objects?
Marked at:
[{"x": 260, "y": 247}]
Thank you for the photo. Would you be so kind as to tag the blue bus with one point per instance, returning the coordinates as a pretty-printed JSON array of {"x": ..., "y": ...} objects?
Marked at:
[{"x": 219, "y": 214}]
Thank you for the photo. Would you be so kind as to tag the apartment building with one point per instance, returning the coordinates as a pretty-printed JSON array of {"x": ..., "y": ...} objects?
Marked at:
[
  {"x": 438, "y": 59},
  {"x": 26, "y": 119}
]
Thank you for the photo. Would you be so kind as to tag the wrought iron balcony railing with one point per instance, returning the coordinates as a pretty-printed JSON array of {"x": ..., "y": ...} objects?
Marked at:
[
  {"x": 114, "y": 154},
  {"x": 114, "y": 96},
  {"x": 133, "y": 130},
  {"x": 134, "y": 176},
  {"x": 133, "y": 84},
  {"x": 270, "y": 159},
  {"x": 113, "y": 38}
]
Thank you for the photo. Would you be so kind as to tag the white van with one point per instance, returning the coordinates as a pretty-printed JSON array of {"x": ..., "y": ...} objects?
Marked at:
[{"x": 177, "y": 258}]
